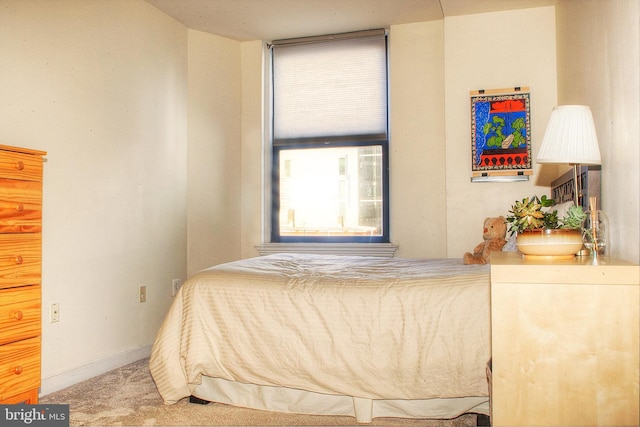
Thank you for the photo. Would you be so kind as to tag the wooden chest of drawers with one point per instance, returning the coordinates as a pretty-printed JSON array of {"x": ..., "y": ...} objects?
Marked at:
[{"x": 20, "y": 273}]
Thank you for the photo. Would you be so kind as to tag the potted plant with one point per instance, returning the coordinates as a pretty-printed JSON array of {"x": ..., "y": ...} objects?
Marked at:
[{"x": 540, "y": 233}]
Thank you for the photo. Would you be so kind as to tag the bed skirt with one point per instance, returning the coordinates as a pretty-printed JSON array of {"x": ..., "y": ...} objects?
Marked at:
[{"x": 283, "y": 399}]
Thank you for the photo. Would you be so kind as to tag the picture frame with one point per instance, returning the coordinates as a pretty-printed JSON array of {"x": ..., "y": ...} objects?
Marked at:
[{"x": 501, "y": 134}]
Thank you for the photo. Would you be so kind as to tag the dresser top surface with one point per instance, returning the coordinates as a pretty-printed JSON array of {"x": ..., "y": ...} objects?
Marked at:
[
  {"x": 515, "y": 258},
  {"x": 22, "y": 150},
  {"x": 513, "y": 267}
]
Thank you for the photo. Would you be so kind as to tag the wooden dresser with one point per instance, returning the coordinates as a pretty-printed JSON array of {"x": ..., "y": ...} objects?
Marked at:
[
  {"x": 565, "y": 342},
  {"x": 20, "y": 273}
]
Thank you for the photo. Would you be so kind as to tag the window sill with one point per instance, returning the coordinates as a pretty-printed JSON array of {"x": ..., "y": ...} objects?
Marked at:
[{"x": 357, "y": 249}]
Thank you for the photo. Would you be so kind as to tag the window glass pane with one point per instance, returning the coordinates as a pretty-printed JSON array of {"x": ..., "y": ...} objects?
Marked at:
[
  {"x": 330, "y": 88},
  {"x": 331, "y": 191}
]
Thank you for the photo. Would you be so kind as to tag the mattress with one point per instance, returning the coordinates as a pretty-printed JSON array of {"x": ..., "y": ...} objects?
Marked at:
[{"x": 366, "y": 329}]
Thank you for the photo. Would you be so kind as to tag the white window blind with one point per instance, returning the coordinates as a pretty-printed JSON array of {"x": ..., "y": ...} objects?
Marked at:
[{"x": 330, "y": 88}]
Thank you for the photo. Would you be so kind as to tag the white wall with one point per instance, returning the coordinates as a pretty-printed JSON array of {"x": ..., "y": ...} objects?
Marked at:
[
  {"x": 599, "y": 66},
  {"x": 417, "y": 145},
  {"x": 252, "y": 165},
  {"x": 493, "y": 51},
  {"x": 214, "y": 150},
  {"x": 101, "y": 86}
]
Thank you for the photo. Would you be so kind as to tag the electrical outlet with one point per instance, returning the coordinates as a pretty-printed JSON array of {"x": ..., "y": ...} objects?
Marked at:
[
  {"x": 143, "y": 293},
  {"x": 54, "y": 312},
  {"x": 175, "y": 286}
]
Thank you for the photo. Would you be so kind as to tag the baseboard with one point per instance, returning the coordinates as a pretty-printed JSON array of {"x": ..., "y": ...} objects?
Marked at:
[{"x": 93, "y": 369}]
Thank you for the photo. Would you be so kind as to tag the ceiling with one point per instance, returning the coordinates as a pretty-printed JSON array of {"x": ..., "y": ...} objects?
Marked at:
[{"x": 280, "y": 19}]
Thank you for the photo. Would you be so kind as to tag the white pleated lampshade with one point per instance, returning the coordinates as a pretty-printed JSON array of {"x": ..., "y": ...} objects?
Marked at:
[{"x": 570, "y": 137}]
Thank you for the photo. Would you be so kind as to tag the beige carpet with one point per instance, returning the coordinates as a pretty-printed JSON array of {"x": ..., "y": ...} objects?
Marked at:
[{"x": 128, "y": 397}]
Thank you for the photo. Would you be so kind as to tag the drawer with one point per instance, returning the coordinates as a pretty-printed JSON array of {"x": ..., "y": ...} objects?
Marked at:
[
  {"x": 20, "y": 206},
  {"x": 20, "y": 259},
  {"x": 20, "y": 313},
  {"x": 19, "y": 367},
  {"x": 21, "y": 166}
]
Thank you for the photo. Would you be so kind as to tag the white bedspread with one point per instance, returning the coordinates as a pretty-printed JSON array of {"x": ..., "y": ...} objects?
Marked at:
[{"x": 369, "y": 327}]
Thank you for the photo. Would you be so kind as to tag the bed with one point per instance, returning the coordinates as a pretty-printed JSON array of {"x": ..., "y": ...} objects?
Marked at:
[{"x": 335, "y": 335}]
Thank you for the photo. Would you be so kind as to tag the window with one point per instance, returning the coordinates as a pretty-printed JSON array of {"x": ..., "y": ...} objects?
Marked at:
[{"x": 330, "y": 178}]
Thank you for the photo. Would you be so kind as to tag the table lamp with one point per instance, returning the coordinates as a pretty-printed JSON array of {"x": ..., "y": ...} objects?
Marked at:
[{"x": 570, "y": 138}]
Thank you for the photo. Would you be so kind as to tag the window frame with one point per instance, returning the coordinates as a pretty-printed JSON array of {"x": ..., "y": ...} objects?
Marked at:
[
  {"x": 275, "y": 199},
  {"x": 372, "y": 140}
]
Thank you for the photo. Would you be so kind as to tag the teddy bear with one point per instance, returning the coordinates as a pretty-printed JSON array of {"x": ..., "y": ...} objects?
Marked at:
[{"x": 495, "y": 230}]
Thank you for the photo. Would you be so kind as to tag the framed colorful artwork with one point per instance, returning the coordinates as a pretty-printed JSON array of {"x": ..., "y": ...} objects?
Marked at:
[{"x": 501, "y": 134}]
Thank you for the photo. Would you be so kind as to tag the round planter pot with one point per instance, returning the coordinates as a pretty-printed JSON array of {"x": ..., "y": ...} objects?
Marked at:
[{"x": 555, "y": 243}]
